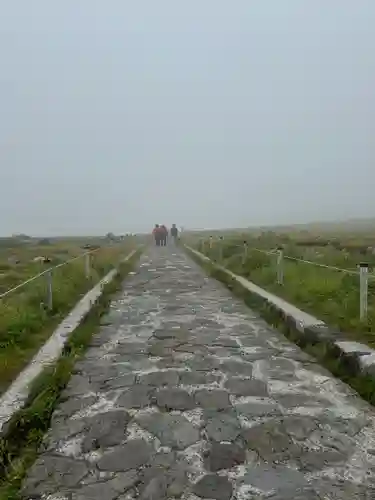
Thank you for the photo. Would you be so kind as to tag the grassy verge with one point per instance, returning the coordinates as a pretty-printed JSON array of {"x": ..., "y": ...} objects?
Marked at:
[
  {"x": 25, "y": 323},
  {"x": 330, "y": 295},
  {"x": 18, "y": 449},
  {"x": 322, "y": 349}
]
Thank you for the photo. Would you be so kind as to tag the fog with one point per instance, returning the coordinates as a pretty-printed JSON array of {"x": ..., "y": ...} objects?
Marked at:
[{"x": 117, "y": 115}]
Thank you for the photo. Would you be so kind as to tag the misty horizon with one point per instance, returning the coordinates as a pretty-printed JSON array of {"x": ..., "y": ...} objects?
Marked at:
[{"x": 209, "y": 115}]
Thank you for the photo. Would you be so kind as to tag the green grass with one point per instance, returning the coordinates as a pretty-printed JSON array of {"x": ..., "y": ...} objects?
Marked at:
[
  {"x": 25, "y": 432},
  {"x": 331, "y": 296},
  {"x": 26, "y": 322}
]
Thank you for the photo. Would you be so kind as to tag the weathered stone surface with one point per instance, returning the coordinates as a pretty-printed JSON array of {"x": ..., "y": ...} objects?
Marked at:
[
  {"x": 257, "y": 408},
  {"x": 72, "y": 405},
  {"x": 269, "y": 478},
  {"x": 213, "y": 487},
  {"x": 271, "y": 441},
  {"x": 224, "y": 456},
  {"x": 198, "y": 378},
  {"x": 299, "y": 427},
  {"x": 174, "y": 399},
  {"x": 203, "y": 364},
  {"x": 162, "y": 347},
  {"x": 246, "y": 387},
  {"x": 222, "y": 426},
  {"x": 172, "y": 430},
  {"x": 130, "y": 348},
  {"x": 177, "y": 333},
  {"x": 164, "y": 459},
  {"x": 212, "y": 399},
  {"x": 293, "y": 400},
  {"x": 342, "y": 489},
  {"x": 154, "y": 489},
  {"x": 224, "y": 341},
  {"x": 79, "y": 386},
  {"x": 97, "y": 491},
  {"x": 159, "y": 378},
  {"x": 178, "y": 480},
  {"x": 315, "y": 460},
  {"x": 123, "y": 481},
  {"x": 237, "y": 368},
  {"x": 105, "y": 429},
  {"x": 125, "y": 380},
  {"x": 53, "y": 472},
  {"x": 164, "y": 481},
  {"x": 64, "y": 429},
  {"x": 137, "y": 396},
  {"x": 131, "y": 455},
  {"x": 297, "y": 494}
]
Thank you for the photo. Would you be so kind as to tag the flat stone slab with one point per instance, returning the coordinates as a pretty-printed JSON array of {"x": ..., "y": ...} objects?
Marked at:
[
  {"x": 213, "y": 487},
  {"x": 271, "y": 441},
  {"x": 246, "y": 387},
  {"x": 257, "y": 408},
  {"x": 137, "y": 396},
  {"x": 105, "y": 430},
  {"x": 267, "y": 478},
  {"x": 50, "y": 473},
  {"x": 185, "y": 392},
  {"x": 224, "y": 456},
  {"x": 160, "y": 378},
  {"x": 174, "y": 399},
  {"x": 222, "y": 426},
  {"x": 174, "y": 431},
  {"x": 129, "y": 456},
  {"x": 212, "y": 399}
]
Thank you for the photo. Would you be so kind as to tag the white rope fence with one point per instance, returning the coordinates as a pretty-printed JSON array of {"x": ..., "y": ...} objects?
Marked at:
[
  {"x": 362, "y": 273},
  {"x": 48, "y": 273}
]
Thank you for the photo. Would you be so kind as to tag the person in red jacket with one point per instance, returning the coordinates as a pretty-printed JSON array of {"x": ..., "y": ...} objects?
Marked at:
[
  {"x": 156, "y": 233},
  {"x": 164, "y": 235}
]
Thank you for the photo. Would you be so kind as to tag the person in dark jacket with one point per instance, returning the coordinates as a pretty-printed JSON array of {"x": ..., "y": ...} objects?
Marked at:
[{"x": 174, "y": 233}]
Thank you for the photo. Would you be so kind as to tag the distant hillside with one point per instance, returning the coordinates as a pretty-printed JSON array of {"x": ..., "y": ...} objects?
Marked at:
[
  {"x": 332, "y": 227},
  {"x": 352, "y": 226}
]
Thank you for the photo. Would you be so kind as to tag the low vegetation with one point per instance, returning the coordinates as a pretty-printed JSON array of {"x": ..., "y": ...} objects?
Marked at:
[
  {"x": 26, "y": 321},
  {"x": 330, "y": 295},
  {"x": 25, "y": 432}
]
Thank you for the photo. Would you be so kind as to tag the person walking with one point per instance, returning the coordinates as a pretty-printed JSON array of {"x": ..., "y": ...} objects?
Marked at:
[
  {"x": 156, "y": 234},
  {"x": 164, "y": 236},
  {"x": 174, "y": 233}
]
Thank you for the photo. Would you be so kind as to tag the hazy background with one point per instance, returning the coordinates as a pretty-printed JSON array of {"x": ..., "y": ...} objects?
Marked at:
[{"x": 118, "y": 114}]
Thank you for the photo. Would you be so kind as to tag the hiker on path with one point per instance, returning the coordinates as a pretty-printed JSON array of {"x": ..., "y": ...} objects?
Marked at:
[
  {"x": 164, "y": 236},
  {"x": 174, "y": 233},
  {"x": 156, "y": 232}
]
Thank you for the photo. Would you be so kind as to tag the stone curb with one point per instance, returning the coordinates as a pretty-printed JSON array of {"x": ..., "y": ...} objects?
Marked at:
[
  {"x": 357, "y": 358},
  {"x": 15, "y": 398}
]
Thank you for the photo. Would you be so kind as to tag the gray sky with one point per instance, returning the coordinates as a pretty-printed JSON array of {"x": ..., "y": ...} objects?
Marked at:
[{"x": 118, "y": 114}]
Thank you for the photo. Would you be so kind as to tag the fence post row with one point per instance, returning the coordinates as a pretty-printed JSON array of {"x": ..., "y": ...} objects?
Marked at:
[
  {"x": 280, "y": 266},
  {"x": 245, "y": 252},
  {"x": 221, "y": 249},
  {"x": 49, "y": 290},
  {"x": 87, "y": 265},
  {"x": 363, "y": 271},
  {"x": 363, "y": 290}
]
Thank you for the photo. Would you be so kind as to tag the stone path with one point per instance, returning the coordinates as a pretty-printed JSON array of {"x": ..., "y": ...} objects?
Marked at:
[{"x": 186, "y": 393}]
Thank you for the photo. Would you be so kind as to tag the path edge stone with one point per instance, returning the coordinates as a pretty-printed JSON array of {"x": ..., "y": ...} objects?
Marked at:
[{"x": 352, "y": 362}]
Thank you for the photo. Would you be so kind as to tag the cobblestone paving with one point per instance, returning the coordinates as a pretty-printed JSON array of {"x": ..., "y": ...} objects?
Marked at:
[{"x": 186, "y": 393}]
